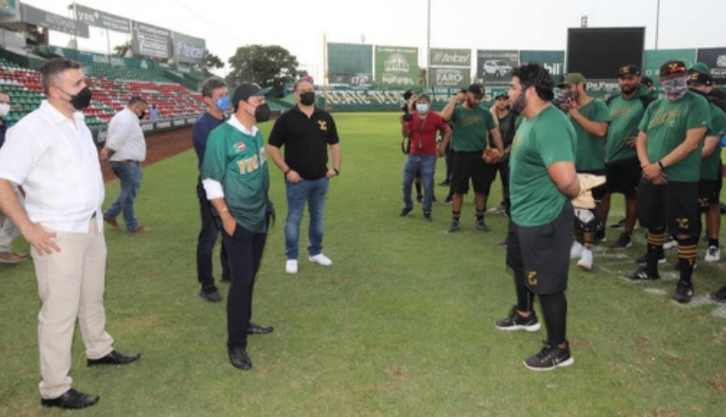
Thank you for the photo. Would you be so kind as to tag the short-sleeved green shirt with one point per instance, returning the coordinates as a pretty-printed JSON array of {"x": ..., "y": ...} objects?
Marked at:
[
  {"x": 666, "y": 125},
  {"x": 590, "y": 149},
  {"x": 711, "y": 165},
  {"x": 238, "y": 161},
  {"x": 539, "y": 142},
  {"x": 625, "y": 115},
  {"x": 471, "y": 129}
]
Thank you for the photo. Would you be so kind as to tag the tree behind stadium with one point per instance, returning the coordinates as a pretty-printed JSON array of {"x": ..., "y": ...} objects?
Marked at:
[{"x": 268, "y": 66}]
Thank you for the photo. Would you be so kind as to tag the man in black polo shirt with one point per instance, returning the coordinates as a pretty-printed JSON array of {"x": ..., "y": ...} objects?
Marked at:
[{"x": 305, "y": 131}]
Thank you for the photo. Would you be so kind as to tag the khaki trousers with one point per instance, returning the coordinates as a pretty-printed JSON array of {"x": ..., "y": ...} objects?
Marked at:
[{"x": 70, "y": 285}]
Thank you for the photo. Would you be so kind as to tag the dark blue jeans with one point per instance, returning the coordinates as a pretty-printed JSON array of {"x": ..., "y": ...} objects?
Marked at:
[
  {"x": 425, "y": 165},
  {"x": 312, "y": 191},
  {"x": 129, "y": 174},
  {"x": 205, "y": 243},
  {"x": 245, "y": 253}
]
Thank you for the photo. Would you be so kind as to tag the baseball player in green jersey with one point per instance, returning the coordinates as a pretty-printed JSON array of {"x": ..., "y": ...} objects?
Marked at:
[
  {"x": 236, "y": 179},
  {"x": 668, "y": 142},
  {"x": 590, "y": 118}
]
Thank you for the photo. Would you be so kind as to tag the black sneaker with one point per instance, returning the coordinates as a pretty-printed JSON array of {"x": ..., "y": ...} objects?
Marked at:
[
  {"x": 549, "y": 358},
  {"x": 448, "y": 199},
  {"x": 623, "y": 242},
  {"x": 419, "y": 198},
  {"x": 684, "y": 292},
  {"x": 516, "y": 322},
  {"x": 444, "y": 183},
  {"x": 427, "y": 216},
  {"x": 644, "y": 259},
  {"x": 211, "y": 295},
  {"x": 719, "y": 295},
  {"x": 618, "y": 225},
  {"x": 641, "y": 274},
  {"x": 405, "y": 211}
]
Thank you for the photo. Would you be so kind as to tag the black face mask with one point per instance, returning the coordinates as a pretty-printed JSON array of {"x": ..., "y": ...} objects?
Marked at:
[
  {"x": 262, "y": 113},
  {"x": 82, "y": 99},
  {"x": 141, "y": 116},
  {"x": 307, "y": 98}
]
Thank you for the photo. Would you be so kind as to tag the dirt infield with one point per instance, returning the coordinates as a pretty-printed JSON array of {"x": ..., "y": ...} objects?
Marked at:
[{"x": 159, "y": 146}]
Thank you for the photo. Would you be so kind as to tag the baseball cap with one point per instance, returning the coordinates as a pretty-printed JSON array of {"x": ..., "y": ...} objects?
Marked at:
[
  {"x": 247, "y": 90},
  {"x": 698, "y": 77},
  {"x": 574, "y": 78},
  {"x": 647, "y": 81},
  {"x": 423, "y": 97},
  {"x": 701, "y": 67},
  {"x": 628, "y": 70},
  {"x": 501, "y": 94},
  {"x": 476, "y": 89},
  {"x": 673, "y": 67}
]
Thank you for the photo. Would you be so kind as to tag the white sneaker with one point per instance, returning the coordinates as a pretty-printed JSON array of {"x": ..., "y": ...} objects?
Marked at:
[
  {"x": 713, "y": 254},
  {"x": 320, "y": 259},
  {"x": 585, "y": 261},
  {"x": 291, "y": 266},
  {"x": 670, "y": 244},
  {"x": 576, "y": 250}
]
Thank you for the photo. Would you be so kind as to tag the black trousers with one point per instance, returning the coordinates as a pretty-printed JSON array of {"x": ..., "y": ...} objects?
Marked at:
[
  {"x": 205, "y": 243},
  {"x": 244, "y": 248}
]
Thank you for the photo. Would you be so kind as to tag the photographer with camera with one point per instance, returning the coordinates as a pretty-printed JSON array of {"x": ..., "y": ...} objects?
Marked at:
[
  {"x": 473, "y": 158},
  {"x": 407, "y": 106},
  {"x": 421, "y": 127}
]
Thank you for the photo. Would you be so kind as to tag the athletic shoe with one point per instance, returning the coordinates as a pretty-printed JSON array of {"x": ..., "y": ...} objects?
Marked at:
[
  {"x": 448, "y": 199},
  {"x": 517, "y": 322},
  {"x": 291, "y": 266},
  {"x": 427, "y": 216},
  {"x": 480, "y": 225},
  {"x": 405, "y": 211},
  {"x": 320, "y": 259},
  {"x": 502, "y": 243},
  {"x": 713, "y": 254},
  {"x": 623, "y": 242},
  {"x": 618, "y": 225},
  {"x": 671, "y": 243},
  {"x": 683, "y": 293},
  {"x": 453, "y": 227},
  {"x": 498, "y": 209},
  {"x": 549, "y": 358},
  {"x": 719, "y": 295},
  {"x": 644, "y": 259},
  {"x": 576, "y": 250},
  {"x": 585, "y": 261},
  {"x": 641, "y": 274},
  {"x": 419, "y": 198},
  {"x": 600, "y": 236},
  {"x": 444, "y": 183}
]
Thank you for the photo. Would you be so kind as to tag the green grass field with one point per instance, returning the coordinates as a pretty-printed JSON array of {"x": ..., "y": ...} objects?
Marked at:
[{"x": 400, "y": 325}]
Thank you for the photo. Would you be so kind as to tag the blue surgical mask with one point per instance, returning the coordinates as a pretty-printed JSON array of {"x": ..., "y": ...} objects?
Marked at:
[
  {"x": 222, "y": 103},
  {"x": 422, "y": 108}
]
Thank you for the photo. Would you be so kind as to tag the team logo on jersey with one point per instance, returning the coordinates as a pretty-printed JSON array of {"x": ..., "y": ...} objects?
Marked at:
[
  {"x": 240, "y": 146},
  {"x": 682, "y": 223},
  {"x": 532, "y": 277},
  {"x": 323, "y": 124}
]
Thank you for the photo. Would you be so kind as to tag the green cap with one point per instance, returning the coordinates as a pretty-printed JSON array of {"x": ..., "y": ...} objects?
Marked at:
[
  {"x": 701, "y": 67},
  {"x": 574, "y": 78}
]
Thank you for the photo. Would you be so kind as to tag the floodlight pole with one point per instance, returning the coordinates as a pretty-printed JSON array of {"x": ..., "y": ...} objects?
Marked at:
[
  {"x": 428, "y": 45},
  {"x": 657, "y": 22}
]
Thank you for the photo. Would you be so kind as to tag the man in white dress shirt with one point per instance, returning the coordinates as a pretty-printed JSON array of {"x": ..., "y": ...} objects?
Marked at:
[
  {"x": 126, "y": 150},
  {"x": 51, "y": 154}
]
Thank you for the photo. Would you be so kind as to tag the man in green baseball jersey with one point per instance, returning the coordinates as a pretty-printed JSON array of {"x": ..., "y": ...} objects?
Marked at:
[{"x": 236, "y": 179}]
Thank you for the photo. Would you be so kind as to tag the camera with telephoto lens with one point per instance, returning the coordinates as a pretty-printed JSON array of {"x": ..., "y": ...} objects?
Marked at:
[
  {"x": 406, "y": 97},
  {"x": 562, "y": 100}
]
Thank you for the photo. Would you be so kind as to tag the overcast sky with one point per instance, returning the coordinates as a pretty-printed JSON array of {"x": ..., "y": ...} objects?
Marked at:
[{"x": 301, "y": 25}]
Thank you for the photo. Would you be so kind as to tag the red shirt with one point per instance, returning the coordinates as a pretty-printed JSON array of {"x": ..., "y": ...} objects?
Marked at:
[{"x": 423, "y": 133}]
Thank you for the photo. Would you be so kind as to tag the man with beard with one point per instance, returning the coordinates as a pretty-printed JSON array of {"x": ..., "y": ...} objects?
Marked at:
[
  {"x": 543, "y": 179},
  {"x": 623, "y": 168},
  {"x": 590, "y": 119},
  {"x": 710, "y": 89},
  {"x": 471, "y": 125},
  {"x": 667, "y": 145},
  {"x": 502, "y": 115},
  {"x": 709, "y": 186}
]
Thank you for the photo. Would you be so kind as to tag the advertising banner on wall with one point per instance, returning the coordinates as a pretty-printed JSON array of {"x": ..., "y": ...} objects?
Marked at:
[
  {"x": 188, "y": 49},
  {"x": 350, "y": 64},
  {"x": 37, "y": 17},
  {"x": 554, "y": 61},
  {"x": 100, "y": 19},
  {"x": 495, "y": 67},
  {"x": 450, "y": 68},
  {"x": 396, "y": 66},
  {"x": 715, "y": 58},
  {"x": 654, "y": 60},
  {"x": 148, "y": 40},
  {"x": 8, "y": 7}
]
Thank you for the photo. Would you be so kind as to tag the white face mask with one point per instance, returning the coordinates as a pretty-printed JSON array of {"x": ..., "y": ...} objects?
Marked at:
[{"x": 4, "y": 109}]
